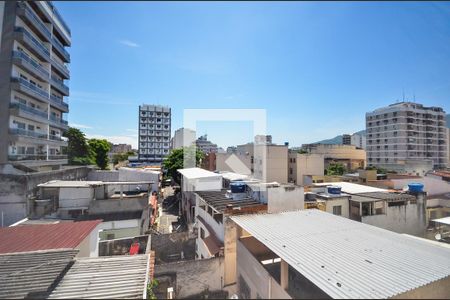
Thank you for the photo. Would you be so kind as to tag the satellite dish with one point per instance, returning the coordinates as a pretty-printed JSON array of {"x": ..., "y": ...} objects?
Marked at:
[{"x": 438, "y": 236}]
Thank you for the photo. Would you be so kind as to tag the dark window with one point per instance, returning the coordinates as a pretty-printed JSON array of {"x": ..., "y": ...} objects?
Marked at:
[{"x": 202, "y": 233}]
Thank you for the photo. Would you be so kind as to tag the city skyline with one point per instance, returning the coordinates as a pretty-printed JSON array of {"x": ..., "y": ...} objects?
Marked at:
[{"x": 315, "y": 67}]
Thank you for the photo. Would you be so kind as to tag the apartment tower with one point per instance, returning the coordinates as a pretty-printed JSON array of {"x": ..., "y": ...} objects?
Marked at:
[
  {"x": 154, "y": 133},
  {"x": 407, "y": 134},
  {"x": 33, "y": 84}
]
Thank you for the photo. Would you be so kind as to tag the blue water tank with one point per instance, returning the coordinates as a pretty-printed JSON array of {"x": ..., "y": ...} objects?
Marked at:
[
  {"x": 415, "y": 187},
  {"x": 334, "y": 189},
  {"x": 237, "y": 187}
]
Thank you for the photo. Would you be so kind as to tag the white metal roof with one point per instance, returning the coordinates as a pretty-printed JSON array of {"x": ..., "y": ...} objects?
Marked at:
[
  {"x": 106, "y": 277},
  {"x": 445, "y": 220},
  {"x": 345, "y": 258},
  {"x": 86, "y": 184},
  {"x": 352, "y": 188},
  {"x": 194, "y": 173},
  {"x": 233, "y": 176}
]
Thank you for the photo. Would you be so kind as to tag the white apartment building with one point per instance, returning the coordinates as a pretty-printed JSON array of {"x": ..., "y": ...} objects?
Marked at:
[
  {"x": 404, "y": 134},
  {"x": 358, "y": 140},
  {"x": 33, "y": 84},
  {"x": 154, "y": 133},
  {"x": 183, "y": 137}
]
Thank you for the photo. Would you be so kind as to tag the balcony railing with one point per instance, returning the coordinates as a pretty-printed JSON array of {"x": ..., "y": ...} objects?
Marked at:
[
  {"x": 31, "y": 86},
  {"x": 28, "y": 109},
  {"x": 61, "y": 66},
  {"x": 55, "y": 137},
  {"x": 60, "y": 19},
  {"x": 59, "y": 101},
  {"x": 33, "y": 40},
  {"x": 58, "y": 45},
  {"x": 36, "y": 21},
  {"x": 60, "y": 85},
  {"x": 18, "y": 131},
  {"x": 55, "y": 157},
  {"x": 18, "y": 157},
  {"x": 37, "y": 67},
  {"x": 58, "y": 120}
]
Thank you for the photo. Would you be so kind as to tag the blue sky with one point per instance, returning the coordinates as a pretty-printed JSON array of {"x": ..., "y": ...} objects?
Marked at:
[{"x": 315, "y": 67}]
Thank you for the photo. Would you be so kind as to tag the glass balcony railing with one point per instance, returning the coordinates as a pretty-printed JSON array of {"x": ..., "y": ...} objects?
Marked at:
[
  {"x": 35, "y": 20},
  {"x": 34, "y": 41},
  {"x": 60, "y": 85},
  {"x": 55, "y": 137},
  {"x": 31, "y": 133},
  {"x": 60, "y": 19},
  {"x": 28, "y": 109},
  {"x": 58, "y": 45},
  {"x": 18, "y": 157},
  {"x": 37, "y": 67},
  {"x": 31, "y": 86},
  {"x": 62, "y": 66},
  {"x": 58, "y": 120},
  {"x": 58, "y": 100}
]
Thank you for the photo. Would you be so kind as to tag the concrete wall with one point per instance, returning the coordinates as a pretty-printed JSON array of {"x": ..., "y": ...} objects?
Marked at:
[
  {"x": 89, "y": 246},
  {"x": 285, "y": 198},
  {"x": 75, "y": 197},
  {"x": 17, "y": 191},
  {"x": 97, "y": 175},
  {"x": 120, "y": 229},
  {"x": 301, "y": 165},
  {"x": 168, "y": 247},
  {"x": 127, "y": 174},
  {"x": 343, "y": 202},
  {"x": 234, "y": 162},
  {"x": 432, "y": 186},
  {"x": 271, "y": 163},
  {"x": 194, "y": 276}
]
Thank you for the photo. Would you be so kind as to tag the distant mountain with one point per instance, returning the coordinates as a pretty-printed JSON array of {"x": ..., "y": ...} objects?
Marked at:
[{"x": 338, "y": 139}]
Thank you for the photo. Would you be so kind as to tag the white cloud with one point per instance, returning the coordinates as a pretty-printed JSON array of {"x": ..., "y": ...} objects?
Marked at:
[
  {"x": 117, "y": 139},
  {"x": 81, "y": 126},
  {"x": 129, "y": 43}
]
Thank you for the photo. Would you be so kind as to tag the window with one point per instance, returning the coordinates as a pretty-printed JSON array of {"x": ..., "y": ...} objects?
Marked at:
[
  {"x": 30, "y": 127},
  {"x": 337, "y": 210}
]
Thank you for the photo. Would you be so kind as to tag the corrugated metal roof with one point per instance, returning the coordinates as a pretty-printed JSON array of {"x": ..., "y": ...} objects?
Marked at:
[
  {"x": 345, "y": 258},
  {"x": 107, "y": 277},
  {"x": 193, "y": 173},
  {"x": 47, "y": 236},
  {"x": 32, "y": 274},
  {"x": 352, "y": 188},
  {"x": 86, "y": 184},
  {"x": 219, "y": 201}
]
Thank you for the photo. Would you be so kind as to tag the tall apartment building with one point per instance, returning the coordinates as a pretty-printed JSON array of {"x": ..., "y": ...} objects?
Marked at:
[
  {"x": 183, "y": 136},
  {"x": 33, "y": 83},
  {"x": 358, "y": 140},
  {"x": 407, "y": 137},
  {"x": 346, "y": 139},
  {"x": 154, "y": 133},
  {"x": 206, "y": 146}
]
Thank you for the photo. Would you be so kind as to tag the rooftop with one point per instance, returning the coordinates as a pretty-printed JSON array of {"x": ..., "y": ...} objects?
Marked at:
[
  {"x": 445, "y": 220},
  {"x": 390, "y": 197},
  {"x": 64, "y": 235},
  {"x": 354, "y": 260},
  {"x": 352, "y": 188},
  {"x": 86, "y": 184},
  {"x": 233, "y": 176},
  {"x": 106, "y": 277},
  {"x": 32, "y": 274},
  {"x": 194, "y": 173},
  {"x": 219, "y": 201}
]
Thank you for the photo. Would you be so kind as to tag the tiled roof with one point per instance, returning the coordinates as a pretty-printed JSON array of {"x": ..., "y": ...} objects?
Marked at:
[
  {"x": 111, "y": 277},
  {"x": 67, "y": 235},
  {"x": 32, "y": 274}
]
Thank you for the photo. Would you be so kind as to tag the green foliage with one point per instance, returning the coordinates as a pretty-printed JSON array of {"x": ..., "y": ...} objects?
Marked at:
[
  {"x": 150, "y": 286},
  {"x": 175, "y": 160},
  {"x": 118, "y": 157},
  {"x": 77, "y": 148},
  {"x": 379, "y": 170},
  {"x": 99, "y": 152},
  {"x": 335, "y": 169},
  {"x": 302, "y": 151}
]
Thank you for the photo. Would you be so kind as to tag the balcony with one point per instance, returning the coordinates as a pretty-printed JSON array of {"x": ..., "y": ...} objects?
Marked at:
[
  {"x": 55, "y": 138},
  {"x": 60, "y": 50},
  {"x": 30, "y": 133},
  {"x": 33, "y": 44},
  {"x": 29, "y": 88},
  {"x": 32, "y": 20},
  {"x": 59, "y": 103},
  {"x": 28, "y": 110},
  {"x": 59, "y": 85},
  {"x": 30, "y": 65},
  {"x": 59, "y": 122},
  {"x": 61, "y": 68}
]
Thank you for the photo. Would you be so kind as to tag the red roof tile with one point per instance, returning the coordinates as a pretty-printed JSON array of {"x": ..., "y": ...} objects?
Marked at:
[{"x": 42, "y": 237}]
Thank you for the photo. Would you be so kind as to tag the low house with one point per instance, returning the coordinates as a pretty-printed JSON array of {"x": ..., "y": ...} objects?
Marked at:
[
  {"x": 192, "y": 180},
  {"x": 313, "y": 254},
  {"x": 82, "y": 236}
]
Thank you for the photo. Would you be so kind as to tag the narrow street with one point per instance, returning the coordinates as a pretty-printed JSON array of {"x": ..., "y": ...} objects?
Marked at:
[{"x": 168, "y": 211}]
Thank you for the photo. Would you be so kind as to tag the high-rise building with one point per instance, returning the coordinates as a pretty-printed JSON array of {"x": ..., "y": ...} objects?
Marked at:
[
  {"x": 154, "y": 133},
  {"x": 33, "y": 83},
  {"x": 358, "y": 140},
  {"x": 346, "y": 139},
  {"x": 183, "y": 137},
  {"x": 206, "y": 146},
  {"x": 407, "y": 134}
]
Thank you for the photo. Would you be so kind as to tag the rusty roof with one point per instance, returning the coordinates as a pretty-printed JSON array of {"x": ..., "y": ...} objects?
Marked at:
[{"x": 42, "y": 237}]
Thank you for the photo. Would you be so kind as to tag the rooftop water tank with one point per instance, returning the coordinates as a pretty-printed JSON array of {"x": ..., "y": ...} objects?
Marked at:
[
  {"x": 415, "y": 187},
  {"x": 334, "y": 189},
  {"x": 237, "y": 187}
]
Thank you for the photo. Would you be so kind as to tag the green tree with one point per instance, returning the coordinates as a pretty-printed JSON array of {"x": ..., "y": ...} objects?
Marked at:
[
  {"x": 335, "y": 169},
  {"x": 175, "y": 160},
  {"x": 99, "y": 152},
  {"x": 118, "y": 157},
  {"x": 77, "y": 148}
]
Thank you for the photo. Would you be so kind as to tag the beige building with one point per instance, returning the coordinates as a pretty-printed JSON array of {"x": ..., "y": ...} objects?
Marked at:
[
  {"x": 301, "y": 165},
  {"x": 271, "y": 163},
  {"x": 349, "y": 155}
]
